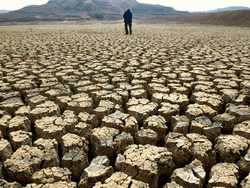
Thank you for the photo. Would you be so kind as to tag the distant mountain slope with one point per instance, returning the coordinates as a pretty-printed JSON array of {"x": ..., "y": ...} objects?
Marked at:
[
  {"x": 3, "y": 11},
  {"x": 229, "y": 18},
  {"x": 231, "y": 8},
  {"x": 148, "y": 9},
  {"x": 59, "y": 10}
]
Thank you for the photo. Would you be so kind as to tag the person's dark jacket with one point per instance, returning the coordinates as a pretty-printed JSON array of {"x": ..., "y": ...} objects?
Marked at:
[{"x": 127, "y": 16}]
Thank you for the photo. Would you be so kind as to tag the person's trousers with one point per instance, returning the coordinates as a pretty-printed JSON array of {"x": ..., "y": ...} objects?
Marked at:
[{"x": 130, "y": 27}]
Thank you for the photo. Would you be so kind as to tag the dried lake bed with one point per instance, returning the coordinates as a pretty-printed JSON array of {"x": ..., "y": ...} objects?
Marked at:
[{"x": 87, "y": 106}]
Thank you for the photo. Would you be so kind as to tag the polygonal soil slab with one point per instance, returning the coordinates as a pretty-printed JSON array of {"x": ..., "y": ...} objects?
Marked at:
[
  {"x": 224, "y": 175},
  {"x": 24, "y": 163},
  {"x": 196, "y": 110},
  {"x": 157, "y": 124},
  {"x": 80, "y": 102},
  {"x": 119, "y": 120},
  {"x": 19, "y": 138},
  {"x": 242, "y": 129},
  {"x": 241, "y": 112},
  {"x": 50, "y": 150},
  {"x": 74, "y": 142},
  {"x": 120, "y": 179},
  {"x": 180, "y": 146},
  {"x": 168, "y": 110},
  {"x": 177, "y": 98},
  {"x": 202, "y": 149},
  {"x": 145, "y": 163},
  {"x": 11, "y": 105},
  {"x": 244, "y": 163},
  {"x": 102, "y": 140},
  {"x": 75, "y": 160},
  {"x": 230, "y": 147},
  {"x": 146, "y": 136},
  {"x": 202, "y": 125},
  {"x": 59, "y": 184},
  {"x": 98, "y": 170},
  {"x": 49, "y": 108},
  {"x": 180, "y": 124},
  {"x": 47, "y": 128},
  {"x": 142, "y": 111},
  {"x": 192, "y": 175},
  {"x": 227, "y": 122},
  {"x": 212, "y": 100},
  {"x": 5, "y": 150},
  {"x": 51, "y": 175},
  {"x": 19, "y": 123}
]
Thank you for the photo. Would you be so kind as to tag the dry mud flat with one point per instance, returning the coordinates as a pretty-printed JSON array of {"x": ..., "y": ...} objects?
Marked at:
[{"x": 85, "y": 106}]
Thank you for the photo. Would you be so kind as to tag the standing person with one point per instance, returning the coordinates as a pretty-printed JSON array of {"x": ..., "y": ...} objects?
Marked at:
[{"x": 128, "y": 21}]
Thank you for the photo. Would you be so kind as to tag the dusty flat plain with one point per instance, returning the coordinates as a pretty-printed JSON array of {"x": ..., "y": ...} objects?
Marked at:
[{"x": 87, "y": 106}]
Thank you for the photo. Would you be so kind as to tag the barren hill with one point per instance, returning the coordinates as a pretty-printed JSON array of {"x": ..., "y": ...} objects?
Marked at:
[
  {"x": 228, "y": 18},
  {"x": 59, "y": 10},
  {"x": 231, "y": 8},
  {"x": 3, "y": 11}
]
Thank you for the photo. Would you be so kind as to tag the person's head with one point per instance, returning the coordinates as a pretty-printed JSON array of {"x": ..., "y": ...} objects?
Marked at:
[{"x": 128, "y": 10}]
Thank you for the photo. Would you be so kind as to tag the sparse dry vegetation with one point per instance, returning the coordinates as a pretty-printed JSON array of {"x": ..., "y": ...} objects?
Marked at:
[{"x": 86, "y": 106}]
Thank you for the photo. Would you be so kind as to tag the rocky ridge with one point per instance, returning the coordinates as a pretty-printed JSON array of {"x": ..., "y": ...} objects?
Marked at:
[{"x": 82, "y": 10}]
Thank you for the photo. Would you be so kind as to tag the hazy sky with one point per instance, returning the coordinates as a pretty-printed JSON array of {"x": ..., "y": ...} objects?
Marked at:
[{"x": 189, "y": 5}]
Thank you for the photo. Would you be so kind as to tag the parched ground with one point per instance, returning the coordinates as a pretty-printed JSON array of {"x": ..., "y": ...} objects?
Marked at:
[{"x": 87, "y": 106}]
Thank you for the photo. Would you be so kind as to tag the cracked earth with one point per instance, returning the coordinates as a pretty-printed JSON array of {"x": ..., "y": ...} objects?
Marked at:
[{"x": 86, "y": 106}]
